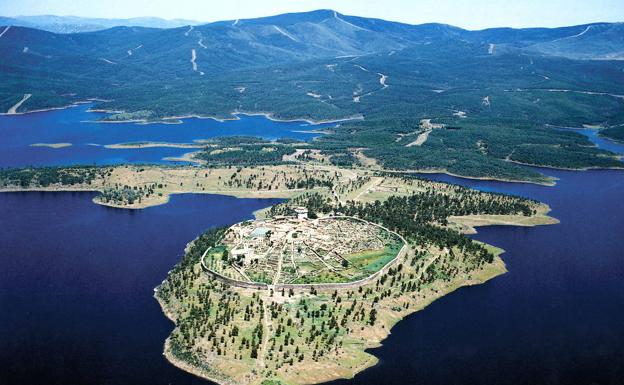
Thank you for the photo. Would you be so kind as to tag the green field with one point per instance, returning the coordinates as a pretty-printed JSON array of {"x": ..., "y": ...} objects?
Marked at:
[
  {"x": 361, "y": 265},
  {"x": 371, "y": 261}
]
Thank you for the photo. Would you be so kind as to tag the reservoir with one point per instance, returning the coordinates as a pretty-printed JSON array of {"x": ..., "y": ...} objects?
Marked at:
[
  {"x": 77, "y": 126},
  {"x": 557, "y": 316},
  {"x": 77, "y": 281}
]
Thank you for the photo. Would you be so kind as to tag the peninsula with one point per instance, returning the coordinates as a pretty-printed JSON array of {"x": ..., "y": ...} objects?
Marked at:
[
  {"x": 298, "y": 295},
  {"x": 292, "y": 300}
]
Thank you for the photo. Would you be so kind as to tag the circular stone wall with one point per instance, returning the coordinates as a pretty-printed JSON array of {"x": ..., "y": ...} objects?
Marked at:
[{"x": 291, "y": 252}]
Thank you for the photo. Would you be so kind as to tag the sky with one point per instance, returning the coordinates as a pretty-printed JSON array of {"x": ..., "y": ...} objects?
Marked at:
[{"x": 469, "y": 14}]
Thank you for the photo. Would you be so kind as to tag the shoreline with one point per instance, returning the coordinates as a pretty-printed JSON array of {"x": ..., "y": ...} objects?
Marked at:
[
  {"x": 551, "y": 183},
  {"x": 368, "y": 358},
  {"x": 344, "y": 363},
  {"x": 177, "y": 119},
  {"x": 469, "y": 224},
  {"x": 188, "y": 157},
  {"x": 135, "y": 206},
  {"x": 250, "y": 194},
  {"x": 71, "y": 105},
  {"x": 164, "y": 120},
  {"x": 166, "y": 346},
  {"x": 589, "y": 168},
  {"x": 193, "y": 370},
  {"x": 51, "y": 145},
  {"x": 264, "y": 194},
  {"x": 324, "y": 132},
  {"x": 610, "y": 138},
  {"x": 271, "y": 116},
  {"x": 124, "y": 146},
  {"x": 596, "y": 129},
  {"x": 357, "y": 355}
]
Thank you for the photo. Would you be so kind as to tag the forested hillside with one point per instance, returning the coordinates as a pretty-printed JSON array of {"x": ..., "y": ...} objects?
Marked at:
[{"x": 488, "y": 98}]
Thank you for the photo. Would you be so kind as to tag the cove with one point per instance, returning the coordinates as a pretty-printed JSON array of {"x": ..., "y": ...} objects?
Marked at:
[{"x": 76, "y": 125}]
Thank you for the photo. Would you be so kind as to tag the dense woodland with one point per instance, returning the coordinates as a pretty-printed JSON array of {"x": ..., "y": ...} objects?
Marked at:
[
  {"x": 49, "y": 176},
  {"x": 501, "y": 105},
  {"x": 246, "y": 151},
  {"x": 615, "y": 133},
  {"x": 126, "y": 195},
  {"x": 472, "y": 147}
]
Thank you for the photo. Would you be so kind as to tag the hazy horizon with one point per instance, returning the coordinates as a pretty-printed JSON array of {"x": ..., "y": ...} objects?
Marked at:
[{"x": 477, "y": 14}]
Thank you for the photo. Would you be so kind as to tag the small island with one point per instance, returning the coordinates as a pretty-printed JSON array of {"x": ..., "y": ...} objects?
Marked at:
[
  {"x": 51, "y": 145},
  {"x": 137, "y": 145}
]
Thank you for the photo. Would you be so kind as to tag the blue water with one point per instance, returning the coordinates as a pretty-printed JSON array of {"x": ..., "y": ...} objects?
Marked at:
[
  {"x": 600, "y": 141},
  {"x": 77, "y": 279},
  {"x": 557, "y": 317},
  {"x": 76, "y": 284},
  {"x": 76, "y": 125}
]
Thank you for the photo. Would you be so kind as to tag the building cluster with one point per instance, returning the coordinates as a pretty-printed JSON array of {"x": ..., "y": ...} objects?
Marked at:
[{"x": 292, "y": 249}]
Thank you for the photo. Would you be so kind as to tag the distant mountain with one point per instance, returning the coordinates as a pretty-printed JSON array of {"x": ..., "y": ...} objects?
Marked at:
[
  {"x": 137, "y": 48},
  {"x": 595, "y": 41},
  {"x": 142, "y": 54},
  {"x": 224, "y": 45},
  {"x": 74, "y": 24},
  {"x": 326, "y": 32}
]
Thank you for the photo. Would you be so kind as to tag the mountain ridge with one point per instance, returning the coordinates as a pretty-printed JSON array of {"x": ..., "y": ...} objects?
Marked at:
[
  {"x": 77, "y": 24},
  {"x": 331, "y": 32},
  {"x": 163, "y": 23},
  {"x": 497, "y": 91}
]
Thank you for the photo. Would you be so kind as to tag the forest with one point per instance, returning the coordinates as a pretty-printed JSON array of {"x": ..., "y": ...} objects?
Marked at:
[
  {"x": 47, "y": 176},
  {"x": 614, "y": 133},
  {"x": 499, "y": 109}
]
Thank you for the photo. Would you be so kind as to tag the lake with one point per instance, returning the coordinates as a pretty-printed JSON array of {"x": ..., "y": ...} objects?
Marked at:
[
  {"x": 557, "y": 317},
  {"x": 76, "y": 125},
  {"x": 77, "y": 280}
]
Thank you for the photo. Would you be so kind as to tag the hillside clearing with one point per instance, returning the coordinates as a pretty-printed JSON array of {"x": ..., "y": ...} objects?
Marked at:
[{"x": 13, "y": 110}]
